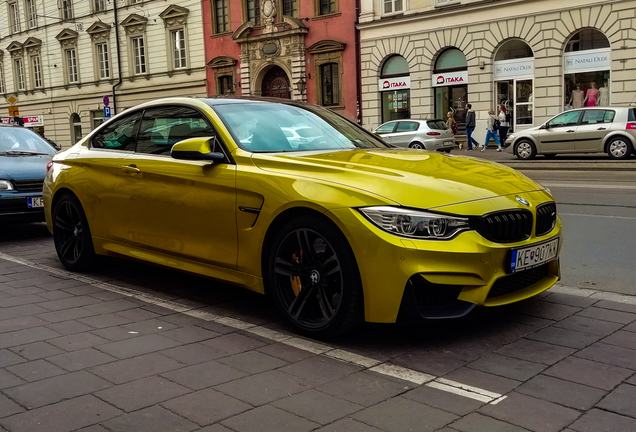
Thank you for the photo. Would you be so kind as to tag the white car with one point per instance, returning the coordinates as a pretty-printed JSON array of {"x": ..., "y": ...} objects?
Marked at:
[
  {"x": 432, "y": 135},
  {"x": 299, "y": 135}
]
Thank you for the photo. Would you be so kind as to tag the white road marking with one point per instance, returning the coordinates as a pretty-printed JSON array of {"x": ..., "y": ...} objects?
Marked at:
[
  {"x": 586, "y": 185},
  {"x": 598, "y": 216}
]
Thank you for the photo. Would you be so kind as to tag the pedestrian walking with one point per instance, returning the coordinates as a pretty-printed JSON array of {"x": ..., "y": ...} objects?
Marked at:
[
  {"x": 504, "y": 124},
  {"x": 452, "y": 125},
  {"x": 470, "y": 127},
  {"x": 491, "y": 130}
]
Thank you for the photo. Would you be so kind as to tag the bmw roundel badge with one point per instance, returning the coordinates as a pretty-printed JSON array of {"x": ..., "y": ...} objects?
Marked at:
[{"x": 522, "y": 201}]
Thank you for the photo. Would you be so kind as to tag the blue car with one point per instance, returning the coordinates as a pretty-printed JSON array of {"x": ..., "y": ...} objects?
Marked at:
[{"x": 23, "y": 159}]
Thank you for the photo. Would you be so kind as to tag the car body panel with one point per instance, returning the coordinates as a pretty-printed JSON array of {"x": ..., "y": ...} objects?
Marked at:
[{"x": 215, "y": 218}]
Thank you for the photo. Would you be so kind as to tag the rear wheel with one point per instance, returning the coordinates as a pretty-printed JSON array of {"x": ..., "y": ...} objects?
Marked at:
[
  {"x": 525, "y": 150},
  {"x": 71, "y": 234},
  {"x": 417, "y": 145},
  {"x": 314, "y": 278},
  {"x": 619, "y": 148}
]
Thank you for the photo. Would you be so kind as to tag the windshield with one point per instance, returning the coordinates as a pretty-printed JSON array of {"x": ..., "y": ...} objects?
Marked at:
[
  {"x": 266, "y": 127},
  {"x": 20, "y": 140}
]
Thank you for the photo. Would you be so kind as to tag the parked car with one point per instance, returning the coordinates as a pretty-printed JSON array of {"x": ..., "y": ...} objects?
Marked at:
[
  {"x": 23, "y": 159},
  {"x": 432, "y": 135},
  {"x": 608, "y": 130},
  {"x": 298, "y": 136},
  {"x": 342, "y": 230}
]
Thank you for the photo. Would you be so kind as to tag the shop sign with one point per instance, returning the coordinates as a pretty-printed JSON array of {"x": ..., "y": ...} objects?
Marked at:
[
  {"x": 514, "y": 68},
  {"x": 590, "y": 60},
  {"x": 30, "y": 121},
  {"x": 399, "y": 83},
  {"x": 450, "y": 78}
]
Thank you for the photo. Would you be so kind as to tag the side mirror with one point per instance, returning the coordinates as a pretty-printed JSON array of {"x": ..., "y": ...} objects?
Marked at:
[
  {"x": 196, "y": 149},
  {"x": 544, "y": 126}
]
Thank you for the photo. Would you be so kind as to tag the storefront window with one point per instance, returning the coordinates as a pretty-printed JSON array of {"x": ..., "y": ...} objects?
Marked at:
[
  {"x": 450, "y": 80},
  {"x": 586, "y": 67},
  {"x": 394, "y": 86},
  {"x": 514, "y": 75}
]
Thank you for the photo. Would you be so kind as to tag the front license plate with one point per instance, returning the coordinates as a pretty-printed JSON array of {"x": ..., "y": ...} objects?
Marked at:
[
  {"x": 533, "y": 256},
  {"x": 35, "y": 202}
]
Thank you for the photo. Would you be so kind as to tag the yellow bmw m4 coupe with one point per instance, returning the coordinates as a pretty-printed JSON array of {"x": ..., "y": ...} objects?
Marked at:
[{"x": 339, "y": 229}]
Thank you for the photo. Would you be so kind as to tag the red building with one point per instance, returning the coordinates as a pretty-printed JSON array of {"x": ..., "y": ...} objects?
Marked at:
[{"x": 298, "y": 49}]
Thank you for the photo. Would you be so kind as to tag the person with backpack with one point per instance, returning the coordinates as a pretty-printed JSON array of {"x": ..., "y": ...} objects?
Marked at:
[
  {"x": 504, "y": 124},
  {"x": 470, "y": 127},
  {"x": 492, "y": 125}
]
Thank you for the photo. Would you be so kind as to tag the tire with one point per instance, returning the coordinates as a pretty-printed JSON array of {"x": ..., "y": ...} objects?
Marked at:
[
  {"x": 619, "y": 148},
  {"x": 71, "y": 235},
  {"x": 417, "y": 145},
  {"x": 525, "y": 150},
  {"x": 314, "y": 278},
  {"x": 550, "y": 155}
]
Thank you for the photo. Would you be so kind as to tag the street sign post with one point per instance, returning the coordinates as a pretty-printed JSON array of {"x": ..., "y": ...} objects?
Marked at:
[
  {"x": 106, "y": 101},
  {"x": 106, "y": 111},
  {"x": 14, "y": 111}
]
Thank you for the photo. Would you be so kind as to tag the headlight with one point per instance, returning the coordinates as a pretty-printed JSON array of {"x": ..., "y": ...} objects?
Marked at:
[
  {"x": 510, "y": 137},
  {"x": 5, "y": 185},
  {"x": 415, "y": 223}
]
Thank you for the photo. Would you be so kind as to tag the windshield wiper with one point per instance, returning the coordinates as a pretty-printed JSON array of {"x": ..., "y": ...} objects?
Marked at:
[{"x": 22, "y": 153}]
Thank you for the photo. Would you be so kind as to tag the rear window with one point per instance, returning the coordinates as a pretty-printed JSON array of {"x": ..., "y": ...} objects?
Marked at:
[
  {"x": 631, "y": 114},
  {"x": 437, "y": 124}
]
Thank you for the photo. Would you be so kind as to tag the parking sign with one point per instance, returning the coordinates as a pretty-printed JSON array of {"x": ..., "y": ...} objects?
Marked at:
[{"x": 106, "y": 111}]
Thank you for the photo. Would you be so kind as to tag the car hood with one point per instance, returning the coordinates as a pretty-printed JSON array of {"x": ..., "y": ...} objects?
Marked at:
[
  {"x": 23, "y": 167},
  {"x": 412, "y": 178}
]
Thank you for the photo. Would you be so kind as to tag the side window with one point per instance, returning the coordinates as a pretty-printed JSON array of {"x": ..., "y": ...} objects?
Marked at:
[
  {"x": 386, "y": 128},
  {"x": 609, "y": 116},
  {"x": 594, "y": 116},
  {"x": 407, "y": 126},
  {"x": 569, "y": 118},
  {"x": 119, "y": 135},
  {"x": 162, "y": 127}
]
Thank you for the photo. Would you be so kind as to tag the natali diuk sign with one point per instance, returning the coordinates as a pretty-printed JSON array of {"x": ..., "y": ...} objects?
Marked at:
[
  {"x": 450, "y": 78},
  {"x": 400, "y": 83},
  {"x": 590, "y": 60},
  {"x": 514, "y": 68}
]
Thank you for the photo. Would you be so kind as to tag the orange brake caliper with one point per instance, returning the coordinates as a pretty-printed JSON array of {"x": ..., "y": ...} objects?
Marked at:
[{"x": 297, "y": 258}]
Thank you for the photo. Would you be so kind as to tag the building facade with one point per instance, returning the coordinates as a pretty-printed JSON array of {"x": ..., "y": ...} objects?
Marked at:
[
  {"x": 297, "y": 49},
  {"x": 424, "y": 58},
  {"x": 62, "y": 61}
]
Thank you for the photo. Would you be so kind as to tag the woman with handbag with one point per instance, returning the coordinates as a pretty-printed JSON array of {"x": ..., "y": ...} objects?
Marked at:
[
  {"x": 504, "y": 124},
  {"x": 491, "y": 130}
]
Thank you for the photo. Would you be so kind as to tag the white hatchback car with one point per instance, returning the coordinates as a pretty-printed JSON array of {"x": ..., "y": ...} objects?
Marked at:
[
  {"x": 583, "y": 130},
  {"x": 432, "y": 135}
]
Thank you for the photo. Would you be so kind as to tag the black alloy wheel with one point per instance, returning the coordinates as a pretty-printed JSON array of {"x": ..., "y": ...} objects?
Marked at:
[
  {"x": 71, "y": 234},
  {"x": 314, "y": 278}
]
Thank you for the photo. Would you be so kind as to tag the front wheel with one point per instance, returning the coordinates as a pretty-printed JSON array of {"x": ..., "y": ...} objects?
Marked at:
[
  {"x": 525, "y": 150},
  {"x": 71, "y": 234},
  {"x": 619, "y": 148},
  {"x": 314, "y": 278}
]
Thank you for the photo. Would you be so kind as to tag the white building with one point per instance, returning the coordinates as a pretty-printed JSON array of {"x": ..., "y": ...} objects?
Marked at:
[
  {"x": 422, "y": 57},
  {"x": 60, "y": 59}
]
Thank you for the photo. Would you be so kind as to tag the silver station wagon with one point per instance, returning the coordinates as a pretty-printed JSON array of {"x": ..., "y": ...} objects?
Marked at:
[
  {"x": 432, "y": 135},
  {"x": 584, "y": 130}
]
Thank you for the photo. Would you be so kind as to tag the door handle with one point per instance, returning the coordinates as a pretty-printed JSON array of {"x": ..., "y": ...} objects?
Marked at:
[
  {"x": 571, "y": 130},
  {"x": 601, "y": 128},
  {"x": 130, "y": 169}
]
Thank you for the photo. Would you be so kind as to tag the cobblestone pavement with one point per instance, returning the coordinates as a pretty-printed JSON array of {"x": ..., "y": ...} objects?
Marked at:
[{"x": 137, "y": 348}]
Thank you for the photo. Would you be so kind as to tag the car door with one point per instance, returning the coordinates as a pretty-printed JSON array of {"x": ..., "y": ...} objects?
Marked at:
[
  {"x": 178, "y": 207},
  {"x": 386, "y": 131},
  {"x": 595, "y": 125},
  {"x": 404, "y": 133},
  {"x": 107, "y": 148},
  {"x": 559, "y": 134}
]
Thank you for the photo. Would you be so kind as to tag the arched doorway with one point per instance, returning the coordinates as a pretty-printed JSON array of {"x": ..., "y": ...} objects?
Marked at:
[
  {"x": 450, "y": 79},
  {"x": 276, "y": 84},
  {"x": 514, "y": 82},
  {"x": 395, "y": 85}
]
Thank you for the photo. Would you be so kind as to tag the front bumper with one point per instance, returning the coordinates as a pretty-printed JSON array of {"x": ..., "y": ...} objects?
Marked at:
[
  {"x": 439, "y": 279},
  {"x": 14, "y": 208}
]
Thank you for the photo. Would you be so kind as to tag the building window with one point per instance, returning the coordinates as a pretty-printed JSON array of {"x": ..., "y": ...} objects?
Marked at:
[
  {"x": 2, "y": 86},
  {"x": 72, "y": 74},
  {"x": 226, "y": 86},
  {"x": 36, "y": 71},
  {"x": 103, "y": 62},
  {"x": 76, "y": 128},
  {"x": 31, "y": 14},
  {"x": 392, "y": 6},
  {"x": 327, "y": 7},
  {"x": 329, "y": 84},
  {"x": 177, "y": 40},
  {"x": 99, "y": 5},
  {"x": 139, "y": 55},
  {"x": 290, "y": 7},
  {"x": 14, "y": 17},
  {"x": 18, "y": 70},
  {"x": 253, "y": 11},
  {"x": 66, "y": 9},
  {"x": 221, "y": 18},
  {"x": 97, "y": 118}
]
